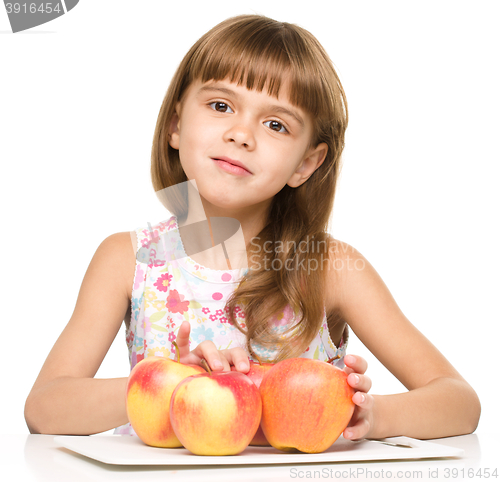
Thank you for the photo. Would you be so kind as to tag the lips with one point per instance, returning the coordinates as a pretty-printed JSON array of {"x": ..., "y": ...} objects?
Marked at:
[{"x": 234, "y": 162}]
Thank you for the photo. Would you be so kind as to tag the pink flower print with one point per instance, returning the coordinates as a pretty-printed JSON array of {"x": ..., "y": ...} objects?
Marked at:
[
  {"x": 213, "y": 317},
  {"x": 237, "y": 309},
  {"x": 176, "y": 303},
  {"x": 170, "y": 322},
  {"x": 205, "y": 310},
  {"x": 141, "y": 275},
  {"x": 153, "y": 236},
  {"x": 241, "y": 315},
  {"x": 163, "y": 282},
  {"x": 223, "y": 319},
  {"x": 163, "y": 225},
  {"x": 218, "y": 312},
  {"x": 170, "y": 224},
  {"x": 145, "y": 242},
  {"x": 152, "y": 258},
  {"x": 147, "y": 325},
  {"x": 171, "y": 336}
]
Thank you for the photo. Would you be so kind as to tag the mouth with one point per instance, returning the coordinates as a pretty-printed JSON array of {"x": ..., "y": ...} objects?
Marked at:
[{"x": 232, "y": 165}]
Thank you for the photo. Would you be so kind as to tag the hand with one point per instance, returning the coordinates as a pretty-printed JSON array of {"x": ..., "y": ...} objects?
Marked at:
[
  {"x": 362, "y": 419},
  {"x": 218, "y": 360}
]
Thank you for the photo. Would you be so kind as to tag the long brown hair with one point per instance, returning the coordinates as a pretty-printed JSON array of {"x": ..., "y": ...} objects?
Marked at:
[{"x": 257, "y": 51}]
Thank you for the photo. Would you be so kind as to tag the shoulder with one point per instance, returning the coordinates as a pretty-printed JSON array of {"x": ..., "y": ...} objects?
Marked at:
[
  {"x": 350, "y": 276},
  {"x": 119, "y": 246},
  {"x": 116, "y": 254},
  {"x": 344, "y": 256}
]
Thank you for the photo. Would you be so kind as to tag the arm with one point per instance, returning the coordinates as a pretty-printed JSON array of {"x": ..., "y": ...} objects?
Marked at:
[
  {"x": 439, "y": 403},
  {"x": 65, "y": 398}
]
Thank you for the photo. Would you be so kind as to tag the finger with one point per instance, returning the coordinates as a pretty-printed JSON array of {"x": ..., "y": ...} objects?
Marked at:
[
  {"x": 207, "y": 350},
  {"x": 355, "y": 364},
  {"x": 357, "y": 431},
  {"x": 239, "y": 358},
  {"x": 363, "y": 401},
  {"x": 182, "y": 338},
  {"x": 359, "y": 382}
]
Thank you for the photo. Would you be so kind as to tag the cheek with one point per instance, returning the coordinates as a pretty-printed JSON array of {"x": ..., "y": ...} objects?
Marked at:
[
  {"x": 197, "y": 137},
  {"x": 282, "y": 161}
]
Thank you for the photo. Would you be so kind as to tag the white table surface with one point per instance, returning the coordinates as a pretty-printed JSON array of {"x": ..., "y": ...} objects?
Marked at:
[{"x": 39, "y": 458}]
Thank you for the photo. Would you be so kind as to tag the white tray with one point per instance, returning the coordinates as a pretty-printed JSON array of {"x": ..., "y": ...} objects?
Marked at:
[{"x": 130, "y": 450}]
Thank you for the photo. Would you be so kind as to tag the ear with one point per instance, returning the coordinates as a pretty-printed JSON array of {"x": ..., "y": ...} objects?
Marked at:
[
  {"x": 174, "y": 128},
  {"x": 312, "y": 160}
]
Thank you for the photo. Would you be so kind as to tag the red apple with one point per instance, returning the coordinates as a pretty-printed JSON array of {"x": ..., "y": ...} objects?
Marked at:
[
  {"x": 306, "y": 405},
  {"x": 216, "y": 413},
  {"x": 256, "y": 373},
  {"x": 149, "y": 390}
]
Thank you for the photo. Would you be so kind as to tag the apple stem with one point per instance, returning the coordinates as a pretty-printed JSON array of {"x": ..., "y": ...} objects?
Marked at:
[
  {"x": 334, "y": 358},
  {"x": 205, "y": 366},
  {"x": 177, "y": 351}
]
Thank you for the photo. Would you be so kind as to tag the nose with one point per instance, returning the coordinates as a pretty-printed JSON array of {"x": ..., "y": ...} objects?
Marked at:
[{"x": 241, "y": 135}]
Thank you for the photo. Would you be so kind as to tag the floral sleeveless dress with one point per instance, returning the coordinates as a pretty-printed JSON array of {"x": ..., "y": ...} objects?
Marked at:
[{"x": 170, "y": 287}]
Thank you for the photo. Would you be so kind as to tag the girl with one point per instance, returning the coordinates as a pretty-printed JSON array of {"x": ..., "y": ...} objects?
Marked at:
[{"x": 251, "y": 130}]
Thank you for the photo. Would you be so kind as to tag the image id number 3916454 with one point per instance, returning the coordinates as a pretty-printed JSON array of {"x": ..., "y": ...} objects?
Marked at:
[
  {"x": 471, "y": 473},
  {"x": 49, "y": 7}
]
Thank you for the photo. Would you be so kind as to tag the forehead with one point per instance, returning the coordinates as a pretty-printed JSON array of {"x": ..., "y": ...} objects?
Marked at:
[{"x": 265, "y": 55}]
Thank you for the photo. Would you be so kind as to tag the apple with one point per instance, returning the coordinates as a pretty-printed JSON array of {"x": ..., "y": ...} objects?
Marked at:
[
  {"x": 149, "y": 390},
  {"x": 216, "y": 413},
  {"x": 256, "y": 373},
  {"x": 306, "y": 405}
]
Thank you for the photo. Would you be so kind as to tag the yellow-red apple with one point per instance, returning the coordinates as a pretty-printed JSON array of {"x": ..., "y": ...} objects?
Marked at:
[
  {"x": 306, "y": 405},
  {"x": 216, "y": 413},
  {"x": 149, "y": 390},
  {"x": 256, "y": 373}
]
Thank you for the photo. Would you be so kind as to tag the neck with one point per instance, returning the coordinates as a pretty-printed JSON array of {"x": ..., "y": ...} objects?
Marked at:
[{"x": 228, "y": 241}]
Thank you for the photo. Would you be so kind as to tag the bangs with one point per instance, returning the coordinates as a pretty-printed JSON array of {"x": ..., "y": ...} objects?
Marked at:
[{"x": 265, "y": 53}]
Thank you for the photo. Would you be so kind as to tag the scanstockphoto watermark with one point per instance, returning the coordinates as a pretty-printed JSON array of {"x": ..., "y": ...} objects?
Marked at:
[
  {"x": 355, "y": 473},
  {"x": 336, "y": 256},
  {"x": 365, "y": 473}
]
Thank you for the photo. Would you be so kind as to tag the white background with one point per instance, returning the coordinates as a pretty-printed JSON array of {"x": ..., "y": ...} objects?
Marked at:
[{"x": 418, "y": 196}]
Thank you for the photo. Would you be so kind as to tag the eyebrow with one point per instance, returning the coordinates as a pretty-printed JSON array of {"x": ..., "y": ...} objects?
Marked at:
[{"x": 276, "y": 108}]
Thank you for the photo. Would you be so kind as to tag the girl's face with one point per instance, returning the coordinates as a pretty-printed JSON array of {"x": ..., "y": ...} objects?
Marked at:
[{"x": 219, "y": 124}]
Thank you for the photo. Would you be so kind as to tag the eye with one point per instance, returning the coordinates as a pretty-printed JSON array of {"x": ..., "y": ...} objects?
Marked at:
[
  {"x": 221, "y": 107},
  {"x": 276, "y": 126}
]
